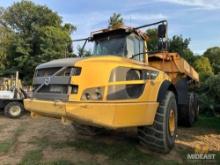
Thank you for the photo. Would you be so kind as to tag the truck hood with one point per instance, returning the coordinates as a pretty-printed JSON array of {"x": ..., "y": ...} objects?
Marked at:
[{"x": 94, "y": 59}]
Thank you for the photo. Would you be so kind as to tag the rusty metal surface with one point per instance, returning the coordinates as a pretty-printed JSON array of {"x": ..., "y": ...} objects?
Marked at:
[{"x": 173, "y": 64}]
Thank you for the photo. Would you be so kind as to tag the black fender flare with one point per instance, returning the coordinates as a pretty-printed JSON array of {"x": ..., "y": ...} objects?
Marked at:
[{"x": 165, "y": 86}]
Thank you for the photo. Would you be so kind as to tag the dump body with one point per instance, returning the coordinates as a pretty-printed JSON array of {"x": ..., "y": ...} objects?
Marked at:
[{"x": 174, "y": 65}]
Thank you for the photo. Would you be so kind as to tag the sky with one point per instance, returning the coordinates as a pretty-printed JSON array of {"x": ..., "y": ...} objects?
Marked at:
[{"x": 195, "y": 19}]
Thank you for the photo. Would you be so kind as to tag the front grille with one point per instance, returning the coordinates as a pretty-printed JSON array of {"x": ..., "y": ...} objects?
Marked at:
[
  {"x": 52, "y": 92},
  {"x": 46, "y": 72},
  {"x": 54, "y": 83},
  {"x": 58, "y": 89}
]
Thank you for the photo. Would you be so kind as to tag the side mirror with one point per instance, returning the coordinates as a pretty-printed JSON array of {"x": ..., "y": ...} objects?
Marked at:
[
  {"x": 162, "y": 30},
  {"x": 162, "y": 45}
]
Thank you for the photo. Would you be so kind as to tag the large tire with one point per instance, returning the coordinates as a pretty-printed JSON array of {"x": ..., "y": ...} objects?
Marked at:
[
  {"x": 160, "y": 137},
  {"x": 196, "y": 107},
  {"x": 88, "y": 130},
  {"x": 14, "y": 109},
  {"x": 188, "y": 114}
]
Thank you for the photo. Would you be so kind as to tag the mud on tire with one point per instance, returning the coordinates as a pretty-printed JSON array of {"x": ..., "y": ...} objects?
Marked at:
[{"x": 158, "y": 137}]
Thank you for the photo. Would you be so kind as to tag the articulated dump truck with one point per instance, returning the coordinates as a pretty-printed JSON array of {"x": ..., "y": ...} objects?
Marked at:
[{"x": 121, "y": 85}]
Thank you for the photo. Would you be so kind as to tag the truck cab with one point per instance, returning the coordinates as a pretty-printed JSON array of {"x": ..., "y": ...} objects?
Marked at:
[{"x": 120, "y": 44}]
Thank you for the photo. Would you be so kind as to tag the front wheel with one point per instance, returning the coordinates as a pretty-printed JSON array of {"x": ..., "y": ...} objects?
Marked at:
[
  {"x": 161, "y": 135},
  {"x": 14, "y": 109}
]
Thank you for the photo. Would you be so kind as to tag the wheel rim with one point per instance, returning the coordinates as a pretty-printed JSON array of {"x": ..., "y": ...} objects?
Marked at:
[
  {"x": 172, "y": 122},
  {"x": 15, "y": 110}
]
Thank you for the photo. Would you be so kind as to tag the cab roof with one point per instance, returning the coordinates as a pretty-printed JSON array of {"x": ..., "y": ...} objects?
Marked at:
[{"x": 120, "y": 30}]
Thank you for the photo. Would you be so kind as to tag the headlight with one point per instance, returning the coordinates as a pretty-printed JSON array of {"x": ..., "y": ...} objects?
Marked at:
[
  {"x": 93, "y": 93},
  {"x": 74, "y": 89},
  {"x": 76, "y": 71}
]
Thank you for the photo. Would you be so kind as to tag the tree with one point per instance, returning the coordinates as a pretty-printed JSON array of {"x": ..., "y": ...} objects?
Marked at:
[
  {"x": 5, "y": 41},
  {"x": 152, "y": 43},
  {"x": 214, "y": 57},
  {"x": 176, "y": 44},
  {"x": 203, "y": 66},
  {"x": 38, "y": 36},
  {"x": 209, "y": 94},
  {"x": 53, "y": 43},
  {"x": 180, "y": 45},
  {"x": 115, "y": 21},
  {"x": 83, "y": 52},
  {"x": 23, "y": 17}
]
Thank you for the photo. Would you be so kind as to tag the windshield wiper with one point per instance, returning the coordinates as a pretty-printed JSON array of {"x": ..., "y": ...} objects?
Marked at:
[{"x": 84, "y": 44}]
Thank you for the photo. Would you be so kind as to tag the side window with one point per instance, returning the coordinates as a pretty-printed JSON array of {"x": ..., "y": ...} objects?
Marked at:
[
  {"x": 141, "y": 50},
  {"x": 130, "y": 47},
  {"x": 135, "y": 47}
]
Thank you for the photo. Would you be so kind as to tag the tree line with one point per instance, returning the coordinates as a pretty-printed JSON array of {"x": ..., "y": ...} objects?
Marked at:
[{"x": 31, "y": 34}]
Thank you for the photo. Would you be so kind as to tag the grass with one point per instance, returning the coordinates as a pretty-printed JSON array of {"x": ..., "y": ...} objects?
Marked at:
[
  {"x": 6, "y": 145},
  {"x": 32, "y": 157},
  {"x": 217, "y": 157},
  {"x": 67, "y": 162},
  {"x": 117, "y": 152},
  {"x": 209, "y": 123},
  {"x": 123, "y": 152},
  {"x": 58, "y": 162}
]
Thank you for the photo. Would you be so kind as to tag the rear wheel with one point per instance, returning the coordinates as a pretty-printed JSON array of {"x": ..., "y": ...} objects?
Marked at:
[
  {"x": 196, "y": 107},
  {"x": 88, "y": 130},
  {"x": 14, "y": 109},
  {"x": 161, "y": 135},
  {"x": 189, "y": 114}
]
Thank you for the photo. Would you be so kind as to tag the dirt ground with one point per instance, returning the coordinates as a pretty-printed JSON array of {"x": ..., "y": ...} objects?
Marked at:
[{"x": 47, "y": 141}]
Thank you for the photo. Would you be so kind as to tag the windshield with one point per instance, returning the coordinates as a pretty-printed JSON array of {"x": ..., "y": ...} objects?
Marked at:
[{"x": 112, "y": 45}]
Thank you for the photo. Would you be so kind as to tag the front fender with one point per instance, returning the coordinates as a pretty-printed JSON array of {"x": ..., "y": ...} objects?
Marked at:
[{"x": 165, "y": 86}]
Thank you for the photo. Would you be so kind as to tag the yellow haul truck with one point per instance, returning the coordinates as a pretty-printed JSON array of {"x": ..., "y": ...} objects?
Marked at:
[{"x": 121, "y": 85}]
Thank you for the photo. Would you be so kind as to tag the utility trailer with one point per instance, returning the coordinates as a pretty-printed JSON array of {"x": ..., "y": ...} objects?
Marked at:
[
  {"x": 121, "y": 85},
  {"x": 12, "y": 96}
]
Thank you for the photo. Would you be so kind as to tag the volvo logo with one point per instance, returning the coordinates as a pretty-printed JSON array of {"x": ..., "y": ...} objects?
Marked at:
[{"x": 47, "y": 81}]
